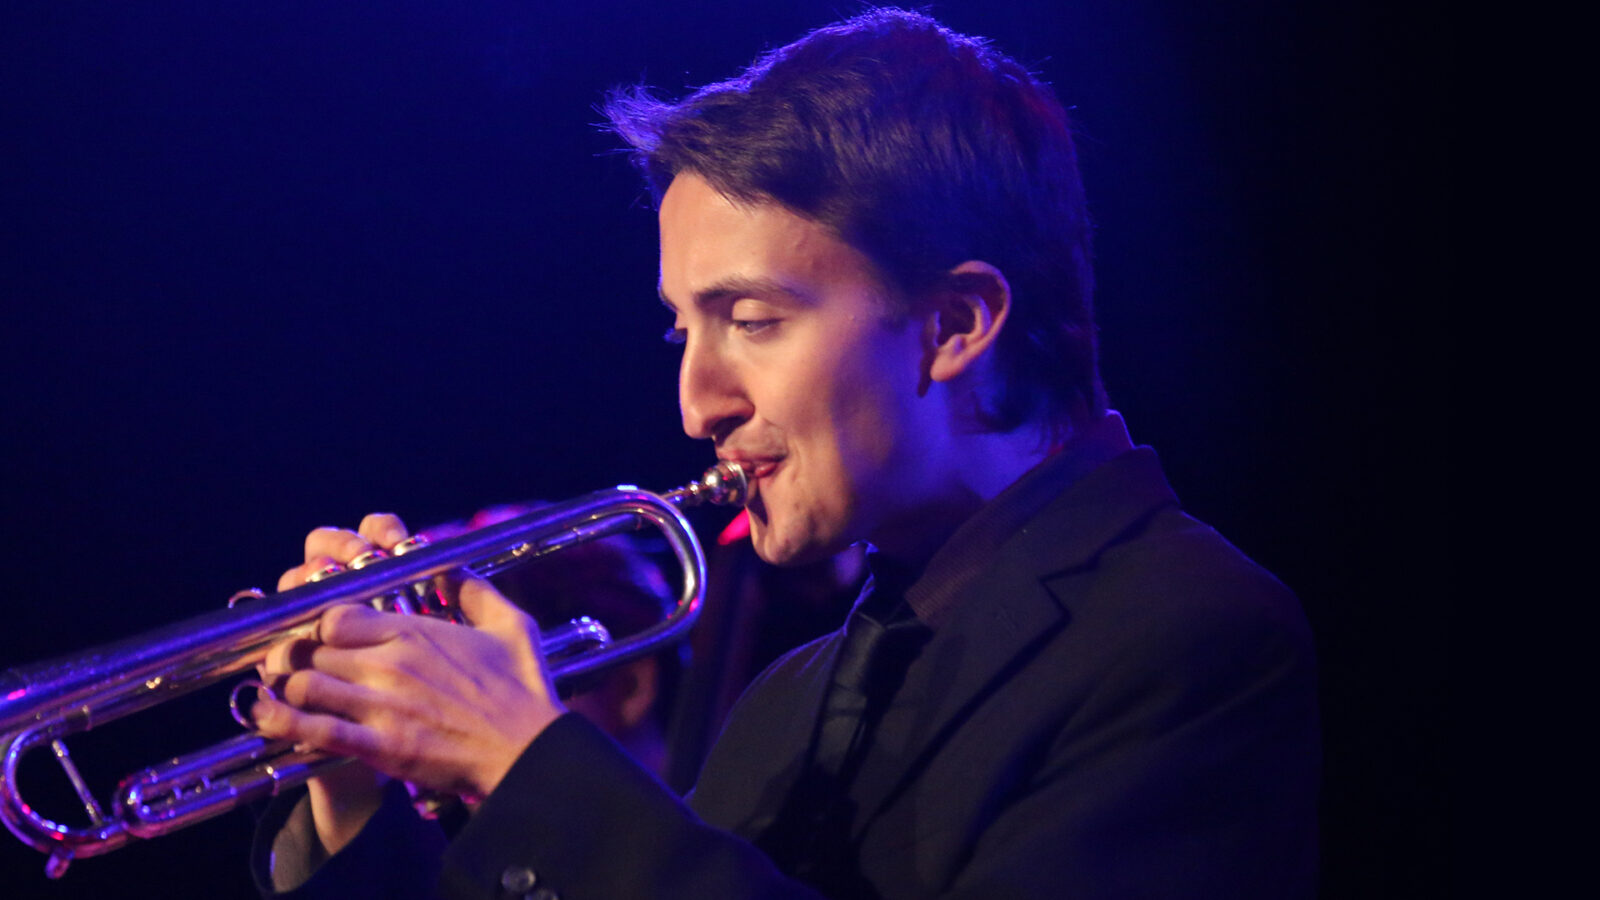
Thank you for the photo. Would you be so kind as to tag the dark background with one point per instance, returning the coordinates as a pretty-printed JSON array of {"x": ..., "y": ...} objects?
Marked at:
[{"x": 270, "y": 265}]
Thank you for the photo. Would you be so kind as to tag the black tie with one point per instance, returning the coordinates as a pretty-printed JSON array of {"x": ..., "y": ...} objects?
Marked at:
[
  {"x": 811, "y": 836},
  {"x": 881, "y": 638}
]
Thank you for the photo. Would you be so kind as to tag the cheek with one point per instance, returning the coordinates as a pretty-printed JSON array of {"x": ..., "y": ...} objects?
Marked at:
[
  {"x": 843, "y": 410},
  {"x": 832, "y": 417},
  {"x": 873, "y": 406}
]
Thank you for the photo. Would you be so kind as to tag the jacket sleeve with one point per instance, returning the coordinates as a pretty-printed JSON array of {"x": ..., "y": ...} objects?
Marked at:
[{"x": 575, "y": 818}]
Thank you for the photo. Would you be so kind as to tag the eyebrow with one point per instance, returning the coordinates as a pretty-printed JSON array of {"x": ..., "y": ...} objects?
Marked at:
[{"x": 737, "y": 286}]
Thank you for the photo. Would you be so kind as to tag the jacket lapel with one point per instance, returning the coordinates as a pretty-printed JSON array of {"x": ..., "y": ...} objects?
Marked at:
[{"x": 1003, "y": 617}]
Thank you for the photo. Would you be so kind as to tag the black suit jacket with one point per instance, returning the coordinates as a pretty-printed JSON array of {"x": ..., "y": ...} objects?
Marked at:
[{"x": 1122, "y": 705}]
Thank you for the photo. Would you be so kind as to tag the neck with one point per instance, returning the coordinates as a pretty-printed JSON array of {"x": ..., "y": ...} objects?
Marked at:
[{"x": 976, "y": 468}]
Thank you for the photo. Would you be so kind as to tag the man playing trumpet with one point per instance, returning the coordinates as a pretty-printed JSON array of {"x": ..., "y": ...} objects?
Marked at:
[{"x": 875, "y": 253}]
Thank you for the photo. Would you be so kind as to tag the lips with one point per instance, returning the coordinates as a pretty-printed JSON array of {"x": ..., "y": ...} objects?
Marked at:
[{"x": 755, "y": 468}]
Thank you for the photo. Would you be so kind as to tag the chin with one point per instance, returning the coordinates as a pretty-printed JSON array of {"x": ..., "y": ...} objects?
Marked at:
[
  {"x": 775, "y": 553},
  {"x": 780, "y": 551}
]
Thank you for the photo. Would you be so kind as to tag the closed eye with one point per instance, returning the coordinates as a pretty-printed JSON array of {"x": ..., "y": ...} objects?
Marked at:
[{"x": 754, "y": 326}]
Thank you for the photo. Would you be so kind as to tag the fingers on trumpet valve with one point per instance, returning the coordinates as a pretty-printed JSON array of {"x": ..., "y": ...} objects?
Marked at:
[
  {"x": 383, "y": 530},
  {"x": 330, "y": 550}
]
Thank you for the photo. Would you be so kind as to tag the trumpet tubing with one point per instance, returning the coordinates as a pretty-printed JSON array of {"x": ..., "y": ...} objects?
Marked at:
[{"x": 43, "y": 703}]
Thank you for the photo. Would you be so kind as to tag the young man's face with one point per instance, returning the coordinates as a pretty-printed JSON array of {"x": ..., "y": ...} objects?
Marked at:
[{"x": 794, "y": 365}]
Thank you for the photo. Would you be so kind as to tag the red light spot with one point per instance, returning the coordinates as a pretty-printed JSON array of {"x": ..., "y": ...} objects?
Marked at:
[{"x": 737, "y": 530}]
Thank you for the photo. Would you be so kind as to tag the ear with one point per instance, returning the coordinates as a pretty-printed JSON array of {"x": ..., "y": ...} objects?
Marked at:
[{"x": 966, "y": 316}]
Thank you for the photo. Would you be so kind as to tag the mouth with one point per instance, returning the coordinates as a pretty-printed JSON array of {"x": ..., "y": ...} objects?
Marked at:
[{"x": 756, "y": 468}]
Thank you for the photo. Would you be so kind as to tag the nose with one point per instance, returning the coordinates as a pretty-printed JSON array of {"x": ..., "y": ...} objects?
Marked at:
[{"x": 711, "y": 394}]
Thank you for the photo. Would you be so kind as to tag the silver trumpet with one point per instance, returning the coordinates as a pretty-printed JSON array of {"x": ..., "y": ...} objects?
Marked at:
[{"x": 42, "y": 703}]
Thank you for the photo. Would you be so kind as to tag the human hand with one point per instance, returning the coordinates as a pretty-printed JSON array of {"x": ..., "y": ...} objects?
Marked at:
[{"x": 447, "y": 707}]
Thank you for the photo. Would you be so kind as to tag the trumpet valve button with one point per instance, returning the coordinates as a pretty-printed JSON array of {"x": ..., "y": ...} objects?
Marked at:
[
  {"x": 327, "y": 571},
  {"x": 367, "y": 559},
  {"x": 410, "y": 544}
]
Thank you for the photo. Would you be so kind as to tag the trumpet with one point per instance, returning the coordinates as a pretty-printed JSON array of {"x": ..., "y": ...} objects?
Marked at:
[{"x": 43, "y": 703}]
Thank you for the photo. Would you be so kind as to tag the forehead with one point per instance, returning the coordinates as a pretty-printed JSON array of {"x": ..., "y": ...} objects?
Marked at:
[{"x": 710, "y": 243}]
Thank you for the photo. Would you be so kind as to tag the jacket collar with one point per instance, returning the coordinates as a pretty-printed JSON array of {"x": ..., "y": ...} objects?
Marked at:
[
  {"x": 1001, "y": 617},
  {"x": 973, "y": 546}
]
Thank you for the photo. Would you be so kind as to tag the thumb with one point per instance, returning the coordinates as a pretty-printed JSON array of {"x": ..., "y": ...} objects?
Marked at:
[
  {"x": 483, "y": 606},
  {"x": 490, "y": 613}
]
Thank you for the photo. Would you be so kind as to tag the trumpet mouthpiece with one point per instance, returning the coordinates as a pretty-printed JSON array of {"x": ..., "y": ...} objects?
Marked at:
[{"x": 726, "y": 484}]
